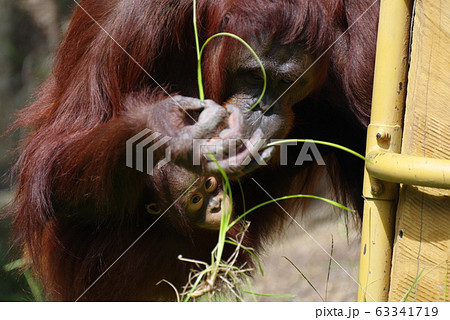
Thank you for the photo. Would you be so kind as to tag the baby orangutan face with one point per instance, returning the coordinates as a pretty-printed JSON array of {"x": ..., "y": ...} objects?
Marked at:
[
  {"x": 203, "y": 204},
  {"x": 206, "y": 204}
]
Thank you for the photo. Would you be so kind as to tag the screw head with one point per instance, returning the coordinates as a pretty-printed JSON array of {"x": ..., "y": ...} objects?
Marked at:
[
  {"x": 383, "y": 136},
  {"x": 377, "y": 188}
]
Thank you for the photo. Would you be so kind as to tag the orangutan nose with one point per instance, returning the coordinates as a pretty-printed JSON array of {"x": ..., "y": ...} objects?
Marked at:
[{"x": 215, "y": 205}]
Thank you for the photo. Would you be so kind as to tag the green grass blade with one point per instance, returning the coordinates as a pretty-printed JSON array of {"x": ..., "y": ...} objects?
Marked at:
[
  {"x": 34, "y": 287},
  {"x": 270, "y": 295},
  {"x": 325, "y": 143},
  {"x": 329, "y": 267},
  {"x": 201, "y": 92},
  {"x": 334, "y": 203},
  {"x": 216, "y": 255},
  {"x": 242, "y": 195},
  {"x": 32, "y": 283},
  {"x": 413, "y": 285},
  {"x": 304, "y": 277},
  {"x": 19, "y": 263}
]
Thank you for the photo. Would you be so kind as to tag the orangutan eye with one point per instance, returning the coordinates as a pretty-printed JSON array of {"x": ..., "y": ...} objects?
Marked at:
[
  {"x": 153, "y": 208},
  {"x": 195, "y": 202},
  {"x": 287, "y": 81},
  {"x": 256, "y": 76},
  {"x": 211, "y": 184},
  {"x": 252, "y": 76}
]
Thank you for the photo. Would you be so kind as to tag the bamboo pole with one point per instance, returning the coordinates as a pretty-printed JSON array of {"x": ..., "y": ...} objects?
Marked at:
[{"x": 384, "y": 135}]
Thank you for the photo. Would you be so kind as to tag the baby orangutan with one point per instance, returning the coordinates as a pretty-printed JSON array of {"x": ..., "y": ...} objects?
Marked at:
[{"x": 184, "y": 195}]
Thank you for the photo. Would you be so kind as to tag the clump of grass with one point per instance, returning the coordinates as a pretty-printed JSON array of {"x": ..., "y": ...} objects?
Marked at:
[{"x": 219, "y": 277}]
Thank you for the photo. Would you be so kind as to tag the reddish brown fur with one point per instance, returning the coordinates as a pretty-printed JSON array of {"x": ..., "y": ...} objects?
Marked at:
[{"x": 77, "y": 206}]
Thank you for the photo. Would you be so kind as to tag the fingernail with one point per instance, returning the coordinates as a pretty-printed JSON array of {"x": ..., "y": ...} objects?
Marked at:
[{"x": 267, "y": 153}]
